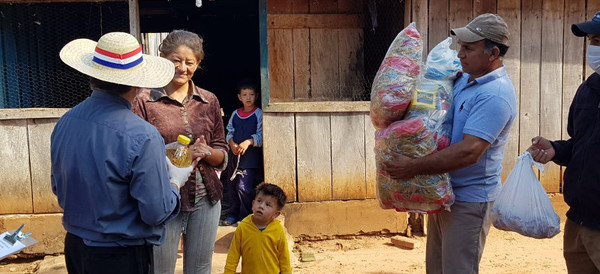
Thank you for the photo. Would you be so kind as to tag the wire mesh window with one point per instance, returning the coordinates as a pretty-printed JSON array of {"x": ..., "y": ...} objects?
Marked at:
[
  {"x": 31, "y": 36},
  {"x": 385, "y": 19}
]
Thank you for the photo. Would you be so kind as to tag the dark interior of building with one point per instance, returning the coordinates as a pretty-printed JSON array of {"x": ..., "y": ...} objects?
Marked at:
[{"x": 230, "y": 31}]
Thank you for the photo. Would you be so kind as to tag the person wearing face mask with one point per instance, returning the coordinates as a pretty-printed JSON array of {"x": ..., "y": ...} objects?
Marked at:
[{"x": 581, "y": 156}]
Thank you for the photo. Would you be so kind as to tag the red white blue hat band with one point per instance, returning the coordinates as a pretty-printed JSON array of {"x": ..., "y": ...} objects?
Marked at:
[{"x": 118, "y": 61}]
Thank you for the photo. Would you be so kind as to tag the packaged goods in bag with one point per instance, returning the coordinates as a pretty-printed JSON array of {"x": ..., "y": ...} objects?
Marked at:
[
  {"x": 396, "y": 78},
  {"x": 424, "y": 129}
]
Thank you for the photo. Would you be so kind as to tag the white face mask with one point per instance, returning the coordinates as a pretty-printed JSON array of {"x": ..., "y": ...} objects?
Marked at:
[{"x": 593, "y": 57}]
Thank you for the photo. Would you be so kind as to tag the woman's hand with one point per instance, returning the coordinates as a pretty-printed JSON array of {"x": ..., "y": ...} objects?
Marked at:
[{"x": 200, "y": 150}]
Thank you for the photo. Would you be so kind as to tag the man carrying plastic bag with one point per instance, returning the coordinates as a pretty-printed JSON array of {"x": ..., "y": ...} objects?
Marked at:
[
  {"x": 581, "y": 156},
  {"x": 484, "y": 108}
]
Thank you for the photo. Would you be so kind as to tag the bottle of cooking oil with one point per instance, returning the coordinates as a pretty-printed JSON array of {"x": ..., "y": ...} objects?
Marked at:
[{"x": 178, "y": 152}]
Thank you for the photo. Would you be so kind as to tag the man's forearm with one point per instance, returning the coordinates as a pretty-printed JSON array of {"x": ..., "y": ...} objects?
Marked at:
[{"x": 457, "y": 156}]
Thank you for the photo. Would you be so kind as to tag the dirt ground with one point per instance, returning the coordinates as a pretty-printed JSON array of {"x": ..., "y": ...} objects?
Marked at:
[{"x": 505, "y": 252}]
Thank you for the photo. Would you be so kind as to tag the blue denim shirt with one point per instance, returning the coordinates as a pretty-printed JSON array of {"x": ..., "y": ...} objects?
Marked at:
[
  {"x": 486, "y": 108},
  {"x": 110, "y": 175}
]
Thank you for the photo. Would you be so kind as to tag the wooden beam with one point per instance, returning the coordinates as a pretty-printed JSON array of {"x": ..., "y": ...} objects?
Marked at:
[
  {"x": 31, "y": 113},
  {"x": 264, "y": 52},
  {"x": 315, "y": 21},
  {"x": 323, "y": 106},
  {"x": 313, "y": 157},
  {"x": 438, "y": 23},
  {"x": 279, "y": 131},
  {"x": 281, "y": 64},
  {"x": 510, "y": 10},
  {"x": 531, "y": 48},
  {"x": 370, "y": 165},
  {"x": 348, "y": 156},
  {"x": 551, "y": 71},
  {"x": 134, "y": 19},
  {"x": 420, "y": 13},
  {"x": 38, "y": 133},
  {"x": 15, "y": 176},
  {"x": 407, "y": 12}
]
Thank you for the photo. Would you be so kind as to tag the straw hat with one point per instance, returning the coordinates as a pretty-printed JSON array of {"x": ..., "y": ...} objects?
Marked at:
[{"x": 117, "y": 58}]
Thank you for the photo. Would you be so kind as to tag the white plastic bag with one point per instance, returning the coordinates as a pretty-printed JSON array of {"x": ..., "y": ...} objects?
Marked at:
[{"x": 523, "y": 206}]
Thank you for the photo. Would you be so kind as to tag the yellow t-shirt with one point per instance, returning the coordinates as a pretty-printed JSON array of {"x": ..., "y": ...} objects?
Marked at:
[{"x": 262, "y": 251}]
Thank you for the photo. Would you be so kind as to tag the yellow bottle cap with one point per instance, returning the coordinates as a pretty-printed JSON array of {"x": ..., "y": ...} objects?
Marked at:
[{"x": 183, "y": 139}]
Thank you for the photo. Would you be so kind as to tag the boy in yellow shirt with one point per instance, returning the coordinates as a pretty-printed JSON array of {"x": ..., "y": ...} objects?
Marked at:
[{"x": 260, "y": 239}]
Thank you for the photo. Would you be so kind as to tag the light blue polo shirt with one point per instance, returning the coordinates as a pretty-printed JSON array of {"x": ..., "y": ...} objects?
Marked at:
[{"x": 486, "y": 108}]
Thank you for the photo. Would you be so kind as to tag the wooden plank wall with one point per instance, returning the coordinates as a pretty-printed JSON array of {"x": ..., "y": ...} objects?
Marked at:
[
  {"x": 315, "y": 54},
  {"x": 315, "y": 50},
  {"x": 327, "y": 153},
  {"x": 25, "y": 180},
  {"x": 320, "y": 156}
]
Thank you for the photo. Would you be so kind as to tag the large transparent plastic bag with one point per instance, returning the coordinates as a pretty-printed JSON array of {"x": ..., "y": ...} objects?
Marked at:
[
  {"x": 395, "y": 81},
  {"x": 523, "y": 205},
  {"x": 432, "y": 97},
  {"x": 424, "y": 130},
  {"x": 425, "y": 194}
]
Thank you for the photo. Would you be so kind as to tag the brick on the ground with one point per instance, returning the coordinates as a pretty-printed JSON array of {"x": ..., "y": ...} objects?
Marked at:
[
  {"x": 405, "y": 242},
  {"x": 307, "y": 257}
]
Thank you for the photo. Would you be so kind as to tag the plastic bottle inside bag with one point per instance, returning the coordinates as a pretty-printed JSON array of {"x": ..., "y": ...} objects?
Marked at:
[{"x": 178, "y": 152}]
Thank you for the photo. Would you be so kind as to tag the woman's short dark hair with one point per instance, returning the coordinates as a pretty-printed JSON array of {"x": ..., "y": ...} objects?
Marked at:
[
  {"x": 489, "y": 45},
  {"x": 117, "y": 89}
]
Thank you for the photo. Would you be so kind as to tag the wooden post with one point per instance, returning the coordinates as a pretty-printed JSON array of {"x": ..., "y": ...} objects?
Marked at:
[
  {"x": 264, "y": 53},
  {"x": 134, "y": 19}
]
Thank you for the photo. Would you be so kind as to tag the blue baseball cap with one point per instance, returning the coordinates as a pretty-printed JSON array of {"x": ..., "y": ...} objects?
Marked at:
[{"x": 589, "y": 27}]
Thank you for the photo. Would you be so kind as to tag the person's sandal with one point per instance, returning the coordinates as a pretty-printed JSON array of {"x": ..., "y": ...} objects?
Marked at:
[{"x": 227, "y": 222}]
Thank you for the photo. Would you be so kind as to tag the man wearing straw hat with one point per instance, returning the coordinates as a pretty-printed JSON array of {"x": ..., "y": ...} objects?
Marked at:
[{"x": 109, "y": 169}]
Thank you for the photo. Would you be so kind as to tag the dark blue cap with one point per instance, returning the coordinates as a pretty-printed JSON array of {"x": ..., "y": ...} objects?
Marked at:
[{"x": 589, "y": 27}]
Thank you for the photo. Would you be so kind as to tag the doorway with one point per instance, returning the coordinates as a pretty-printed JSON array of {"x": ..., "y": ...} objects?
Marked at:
[{"x": 231, "y": 41}]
